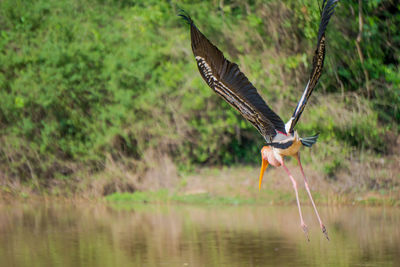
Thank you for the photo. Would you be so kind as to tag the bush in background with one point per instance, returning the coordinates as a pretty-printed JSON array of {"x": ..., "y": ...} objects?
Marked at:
[{"x": 85, "y": 82}]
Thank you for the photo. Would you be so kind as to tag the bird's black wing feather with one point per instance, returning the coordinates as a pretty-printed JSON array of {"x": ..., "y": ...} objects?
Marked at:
[
  {"x": 328, "y": 7},
  {"x": 226, "y": 79}
]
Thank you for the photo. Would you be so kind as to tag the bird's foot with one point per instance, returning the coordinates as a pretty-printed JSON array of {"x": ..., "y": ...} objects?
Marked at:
[
  {"x": 305, "y": 230},
  {"x": 324, "y": 231}
]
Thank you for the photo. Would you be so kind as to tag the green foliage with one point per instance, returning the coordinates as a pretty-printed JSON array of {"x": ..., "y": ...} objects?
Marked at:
[
  {"x": 84, "y": 80},
  {"x": 380, "y": 43},
  {"x": 331, "y": 167}
]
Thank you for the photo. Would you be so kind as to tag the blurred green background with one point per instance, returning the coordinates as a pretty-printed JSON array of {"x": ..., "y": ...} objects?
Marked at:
[{"x": 109, "y": 89}]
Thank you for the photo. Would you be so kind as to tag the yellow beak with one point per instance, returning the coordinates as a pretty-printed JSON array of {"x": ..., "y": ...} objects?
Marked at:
[{"x": 264, "y": 166}]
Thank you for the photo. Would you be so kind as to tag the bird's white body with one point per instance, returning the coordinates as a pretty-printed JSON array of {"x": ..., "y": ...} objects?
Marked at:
[{"x": 275, "y": 155}]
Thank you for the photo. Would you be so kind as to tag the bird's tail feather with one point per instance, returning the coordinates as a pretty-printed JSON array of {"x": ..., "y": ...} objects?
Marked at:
[{"x": 309, "y": 141}]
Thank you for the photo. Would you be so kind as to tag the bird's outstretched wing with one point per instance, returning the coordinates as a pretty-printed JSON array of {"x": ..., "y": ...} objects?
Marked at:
[
  {"x": 226, "y": 79},
  {"x": 328, "y": 7}
]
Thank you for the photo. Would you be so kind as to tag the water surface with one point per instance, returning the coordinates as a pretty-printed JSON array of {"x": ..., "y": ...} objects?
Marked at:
[{"x": 44, "y": 234}]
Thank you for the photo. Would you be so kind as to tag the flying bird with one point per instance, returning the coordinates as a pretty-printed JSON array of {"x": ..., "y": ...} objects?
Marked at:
[{"x": 226, "y": 79}]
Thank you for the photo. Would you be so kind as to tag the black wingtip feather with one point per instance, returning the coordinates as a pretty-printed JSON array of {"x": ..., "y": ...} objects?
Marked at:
[
  {"x": 328, "y": 8},
  {"x": 185, "y": 16}
]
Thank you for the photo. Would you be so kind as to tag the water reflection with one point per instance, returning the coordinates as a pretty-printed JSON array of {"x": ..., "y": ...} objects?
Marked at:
[{"x": 149, "y": 235}]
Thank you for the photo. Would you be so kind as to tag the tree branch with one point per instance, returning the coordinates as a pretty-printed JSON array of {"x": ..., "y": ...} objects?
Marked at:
[{"x": 358, "y": 45}]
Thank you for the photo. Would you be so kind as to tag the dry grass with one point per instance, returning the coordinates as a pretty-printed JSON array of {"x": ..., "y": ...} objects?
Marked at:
[{"x": 368, "y": 179}]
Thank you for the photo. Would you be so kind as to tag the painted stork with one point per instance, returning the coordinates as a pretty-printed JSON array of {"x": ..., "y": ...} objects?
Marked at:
[{"x": 226, "y": 79}]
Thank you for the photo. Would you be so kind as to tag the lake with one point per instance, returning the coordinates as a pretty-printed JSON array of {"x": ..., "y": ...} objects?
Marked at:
[{"x": 95, "y": 234}]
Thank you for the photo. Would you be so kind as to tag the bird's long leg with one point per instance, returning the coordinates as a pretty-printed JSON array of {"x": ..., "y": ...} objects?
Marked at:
[
  {"x": 309, "y": 194},
  {"x": 303, "y": 225}
]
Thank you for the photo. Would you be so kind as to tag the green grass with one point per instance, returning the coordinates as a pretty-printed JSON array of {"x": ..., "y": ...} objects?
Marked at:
[
  {"x": 142, "y": 197},
  {"x": 269, "y": 197},
  {"x": 164, "y": 196}
]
